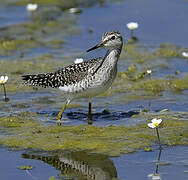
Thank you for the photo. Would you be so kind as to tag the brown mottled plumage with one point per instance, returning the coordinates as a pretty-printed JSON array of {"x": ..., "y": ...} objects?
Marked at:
[{"x": 66, "y": 76}]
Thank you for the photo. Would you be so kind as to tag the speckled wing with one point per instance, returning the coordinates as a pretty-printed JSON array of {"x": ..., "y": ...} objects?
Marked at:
[{"x": 69, "y": 75}]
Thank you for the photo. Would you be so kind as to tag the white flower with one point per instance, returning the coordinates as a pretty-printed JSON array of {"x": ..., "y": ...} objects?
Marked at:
[
  {"x": 154, "y": 176},
  {"x": 185, "y": 54},
  {"x": 3, "y": 79},
  {"x": 154, "y": 123},
  {"x": 132, "y": 25},
  {"x": 78, "y": 60},
  {"x": 32, "y": 7},
  {"x": 75, "y": 10},
  {"x": 149, "y": 71}
]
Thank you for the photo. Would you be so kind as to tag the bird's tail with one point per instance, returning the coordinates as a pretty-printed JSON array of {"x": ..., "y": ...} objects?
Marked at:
[{"x": 42, "y": 80}]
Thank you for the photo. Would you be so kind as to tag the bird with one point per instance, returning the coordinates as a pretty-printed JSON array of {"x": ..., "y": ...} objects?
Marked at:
[{"x": 85, "y": 79}]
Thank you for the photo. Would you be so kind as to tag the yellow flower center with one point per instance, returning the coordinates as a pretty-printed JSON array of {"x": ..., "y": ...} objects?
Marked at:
[
  {"x": 2, "y": 82},
  {"x": 131, "y": 27},
  {"x": 156, "y": 124}
]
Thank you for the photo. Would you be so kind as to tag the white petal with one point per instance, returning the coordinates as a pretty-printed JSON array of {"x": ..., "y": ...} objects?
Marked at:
[
  {"x": 6, "y": 79},
  {"x": 132, "y": 25},
  {"x": 151, "y": 125},
  {"x": 185, "y": 54},
  {"x": 154, "y": 120},
  {"x": 78, "y": 60},
  {"x": 32, "y": 7},
  {"x": 75, "y": 10},
  {"x": 159, "y": 121},
  {"x": 1, "y": 78},
  {"x": 149, "y": 71}
]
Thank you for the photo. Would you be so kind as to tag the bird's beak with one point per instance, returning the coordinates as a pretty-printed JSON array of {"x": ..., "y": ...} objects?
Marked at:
[{"x": 101, "y": 44}]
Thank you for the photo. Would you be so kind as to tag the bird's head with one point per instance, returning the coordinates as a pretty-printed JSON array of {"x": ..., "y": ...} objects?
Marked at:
[{"x": 112, "y": 39}]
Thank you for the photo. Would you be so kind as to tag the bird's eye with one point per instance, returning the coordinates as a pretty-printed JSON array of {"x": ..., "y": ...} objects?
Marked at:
[{"x": 113, "y": 37}]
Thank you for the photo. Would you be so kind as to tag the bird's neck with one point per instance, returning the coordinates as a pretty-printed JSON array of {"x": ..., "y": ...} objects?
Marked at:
[
  {"x": 110, "y": 59},
  {"x": 112, "y": 56}
]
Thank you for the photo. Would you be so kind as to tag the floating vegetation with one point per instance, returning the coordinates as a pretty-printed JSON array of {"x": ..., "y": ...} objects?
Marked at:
[
  {"x": 51, "y": 178},
  {"x": 48, "y": 27},
  {"x": 147, "y": 149},
  {"x": 26, "y": 167},
  {"x": 23, "y": 131}
]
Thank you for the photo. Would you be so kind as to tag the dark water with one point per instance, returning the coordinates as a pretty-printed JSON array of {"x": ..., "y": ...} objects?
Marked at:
[{"x": 173, "y": 165}]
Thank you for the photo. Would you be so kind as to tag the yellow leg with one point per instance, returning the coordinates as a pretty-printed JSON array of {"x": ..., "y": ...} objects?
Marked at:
[{"x": 59, "y": 116}]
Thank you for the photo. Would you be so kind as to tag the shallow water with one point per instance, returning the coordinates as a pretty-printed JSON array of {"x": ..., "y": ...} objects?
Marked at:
[
  {"x": 83, "y": 166},
  {"x": 160, "y": 22}
]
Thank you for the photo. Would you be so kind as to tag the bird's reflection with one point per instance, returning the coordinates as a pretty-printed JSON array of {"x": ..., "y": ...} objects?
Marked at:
[{"x": 79, "y": 165}]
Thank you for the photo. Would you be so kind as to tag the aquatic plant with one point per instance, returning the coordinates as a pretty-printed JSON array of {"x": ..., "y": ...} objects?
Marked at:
[
  {"x": 3, "y": 80},
  {"x": 31, "y": 7},
  {"x": 26, "y": 167},
  {"x": 154, "y": 125},
  {"x": 132, "y": 26},
  {"x": 25, "y": 131},
  {"x": 185, "y": 54},
  {"x": 149, "y": 71},
  {"x": 51, "y": 178},
  {"x": 75, "y": 10}
]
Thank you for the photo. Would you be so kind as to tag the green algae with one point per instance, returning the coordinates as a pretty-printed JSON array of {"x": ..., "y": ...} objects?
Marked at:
[
  {"x": 47, "y": 28},
  {"x": 63, "y": 4},
  {"x": 179, "y": 84},
  {"x": 26, "y": 167},
  {"x": 167, "y": 51},
  {"x": 23, "y": 131},
  {"x": 141, "y": 54},
  {"x": 127, "y": 83},
  {"x": 51, "y": 178},
  {"x": 147, "y": 149},
  {"x": 45, "y": 56},
  {"x": 8, "y": 46},
  {"x": 14, "y": 70},
  {"x": 132, "y": 68}
]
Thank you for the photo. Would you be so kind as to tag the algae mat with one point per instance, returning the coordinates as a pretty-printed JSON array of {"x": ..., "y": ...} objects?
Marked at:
[{"x": 24, "y": 131}]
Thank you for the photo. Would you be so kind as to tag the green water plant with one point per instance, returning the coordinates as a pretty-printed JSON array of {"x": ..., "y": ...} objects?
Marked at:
[
  {"x": 51, "y": 178},
  {"x": 155, "y": 125},
  {"x": 28, "y": 167},
  {"x": 132, "y": 26},
  {"x": 3, "y": 80},
  {"x": 24, "y": 131}
]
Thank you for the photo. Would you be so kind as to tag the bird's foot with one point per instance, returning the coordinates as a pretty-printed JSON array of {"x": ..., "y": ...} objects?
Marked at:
[{"x": 58, "y": 122}]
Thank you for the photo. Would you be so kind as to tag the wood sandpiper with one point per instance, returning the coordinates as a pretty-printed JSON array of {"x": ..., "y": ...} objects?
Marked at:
[{"x": 85, "y": 79}]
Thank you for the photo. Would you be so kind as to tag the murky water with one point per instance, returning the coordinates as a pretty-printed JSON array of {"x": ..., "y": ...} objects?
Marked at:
[
  {"x": 45, "y": 48},
  {"x": 83, "y": 166}
]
